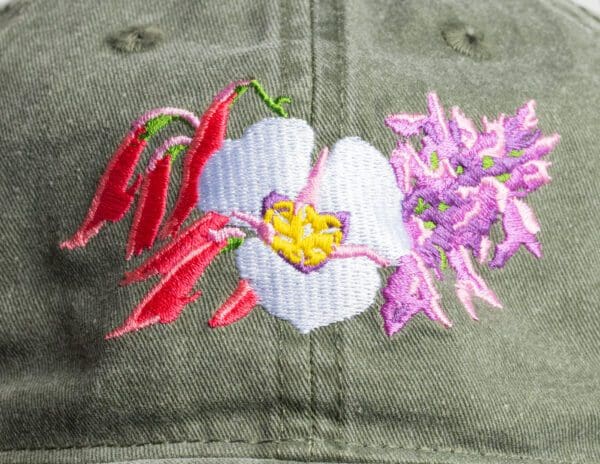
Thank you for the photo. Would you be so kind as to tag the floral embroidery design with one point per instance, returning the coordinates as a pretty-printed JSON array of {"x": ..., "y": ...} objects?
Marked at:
[
  {"x": 321, "y": 232},
  {"x": 455, "y": 188},
  {"x": 310, "y": 239}
]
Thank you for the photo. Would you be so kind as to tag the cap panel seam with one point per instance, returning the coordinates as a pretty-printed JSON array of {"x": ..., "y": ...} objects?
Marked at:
[{"x": 343, "y": 78}]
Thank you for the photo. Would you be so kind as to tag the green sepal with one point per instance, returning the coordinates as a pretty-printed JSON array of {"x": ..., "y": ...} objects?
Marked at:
[
  {"x": 233, "y": 243},
  {"x": 175, "y": 150},
  {"x": 154, "y": 125}
]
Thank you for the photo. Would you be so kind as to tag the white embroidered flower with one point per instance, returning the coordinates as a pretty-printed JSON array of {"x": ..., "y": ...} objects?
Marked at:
[{"x": 322, "y": 232}]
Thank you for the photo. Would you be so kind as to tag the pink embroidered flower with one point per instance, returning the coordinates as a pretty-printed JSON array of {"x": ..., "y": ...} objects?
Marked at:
[
  {"x": 321, "y": 232},
  {"x": 456, "y": 187}
]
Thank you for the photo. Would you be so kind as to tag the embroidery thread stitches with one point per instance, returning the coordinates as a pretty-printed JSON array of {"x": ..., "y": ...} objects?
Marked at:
[
  {"x": 317, "y": 228},
  {"x": 456, "y": 187},
  {"x": 182, "y": 261},
  {"x": 309, "y": 240}
]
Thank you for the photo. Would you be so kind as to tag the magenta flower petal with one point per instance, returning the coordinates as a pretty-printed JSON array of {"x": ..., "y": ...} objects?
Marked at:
[
  {"x": 458, "y": 181},
  {"x": 520, "y": 227},
  {"x": 410, "y": 291},
  {"x": 406, "y": 125},
  {"x": 469, "y": 283}
]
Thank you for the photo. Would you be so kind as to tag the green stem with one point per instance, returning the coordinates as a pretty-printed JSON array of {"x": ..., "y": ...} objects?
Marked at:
[
  {"x": 275, "y": 105},
  {"x": 443, "y": 258}
]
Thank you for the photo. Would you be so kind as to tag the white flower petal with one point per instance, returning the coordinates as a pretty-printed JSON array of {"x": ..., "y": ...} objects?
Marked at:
[
  {"x": 273, "y": 154},
  {"x": 359, "y": 179},
  {"x": 339, "y": 290}
]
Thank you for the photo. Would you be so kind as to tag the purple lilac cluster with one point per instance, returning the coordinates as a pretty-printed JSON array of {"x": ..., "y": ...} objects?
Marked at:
[{"x": 457, "y": 182}]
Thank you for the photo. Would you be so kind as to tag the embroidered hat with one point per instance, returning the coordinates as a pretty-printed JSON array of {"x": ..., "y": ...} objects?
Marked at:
[{"x": 282, "y": 231}]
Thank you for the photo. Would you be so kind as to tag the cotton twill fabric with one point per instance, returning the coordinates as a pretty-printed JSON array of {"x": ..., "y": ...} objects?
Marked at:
[{"x": 521, "y": 385}]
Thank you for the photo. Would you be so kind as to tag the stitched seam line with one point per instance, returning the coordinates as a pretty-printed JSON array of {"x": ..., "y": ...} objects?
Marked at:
[
  {"x": 375, "y": 446},
  {"x": 312, "y": 386},
  {"x": 343, "y": 70},
  {"x": 313, "y": 62},
  {"x": 278, "y": 360}
]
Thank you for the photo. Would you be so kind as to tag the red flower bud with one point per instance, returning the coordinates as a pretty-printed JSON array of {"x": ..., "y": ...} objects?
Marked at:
[
  {"x": 173, "y": 252},
  {"x": 113, "y": 198},
  {"x": 151, "y": 208}
]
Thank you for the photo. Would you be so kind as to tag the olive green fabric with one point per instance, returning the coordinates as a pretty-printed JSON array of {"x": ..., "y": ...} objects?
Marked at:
[{"x": 521, "y": 385}]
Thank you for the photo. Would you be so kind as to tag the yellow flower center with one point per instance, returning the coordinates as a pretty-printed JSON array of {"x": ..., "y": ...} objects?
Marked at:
[{"x": 302, "y": 236}]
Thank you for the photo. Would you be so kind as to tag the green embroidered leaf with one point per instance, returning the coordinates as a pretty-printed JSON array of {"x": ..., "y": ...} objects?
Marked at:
[
  {"x": 459, "y": 169},
  {"x": 421, "y": 206},
  {"x": 443, "y": 206},
  {"x": 516, "y": 153},
  {"x": 503, "y": 177},
  {"x": 434, "y": 160},
  {"x": 429, "y": 225},
  {"x": 487, "y": 162}
]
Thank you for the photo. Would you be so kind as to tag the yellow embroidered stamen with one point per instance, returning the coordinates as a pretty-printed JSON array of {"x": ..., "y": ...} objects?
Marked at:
[{"x": 303, "y": 236}]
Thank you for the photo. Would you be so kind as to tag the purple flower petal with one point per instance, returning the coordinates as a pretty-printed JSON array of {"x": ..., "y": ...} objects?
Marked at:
[
  {"x": 410, "y": 291},
  {"x": 406, "y": 125},
  {"x": 457, "y": 183},
  {"x": 520, "y": 227}
]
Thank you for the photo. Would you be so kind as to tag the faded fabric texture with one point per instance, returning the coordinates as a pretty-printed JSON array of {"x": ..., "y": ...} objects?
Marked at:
[{"x": 521, "y": 385}]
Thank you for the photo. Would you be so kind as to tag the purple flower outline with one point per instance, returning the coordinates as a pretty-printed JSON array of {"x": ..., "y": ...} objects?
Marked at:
[{"x": 457, "y": 184}]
